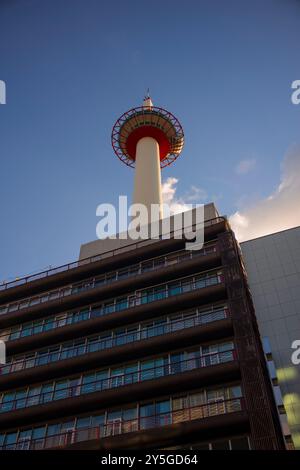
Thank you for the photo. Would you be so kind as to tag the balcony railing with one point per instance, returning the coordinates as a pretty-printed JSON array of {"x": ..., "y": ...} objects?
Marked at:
[
  {"x": 108, "y": 343},
  {"x": 162, "y": 291},
  {"x": 120, "y": 380},
  {"x": 69, "y": 266},
  {"x": 106, "y": 279},
  {"x": 118, "y": 427}
]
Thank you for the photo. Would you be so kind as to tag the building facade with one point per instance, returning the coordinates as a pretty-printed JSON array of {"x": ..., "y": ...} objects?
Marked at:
[
  {"x": 143, "y": 346},
  {"x": 273, "y": 268}
]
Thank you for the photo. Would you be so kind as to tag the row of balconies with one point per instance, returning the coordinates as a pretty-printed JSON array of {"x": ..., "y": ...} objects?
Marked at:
[
  {"x": 78, "y": 270},
  {"x": 173, "y": 425}
]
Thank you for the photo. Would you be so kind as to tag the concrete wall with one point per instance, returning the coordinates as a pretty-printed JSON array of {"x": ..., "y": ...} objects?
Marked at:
[
  {"x": 100, "y": 246},
  {"x": 273, "y": 267}
]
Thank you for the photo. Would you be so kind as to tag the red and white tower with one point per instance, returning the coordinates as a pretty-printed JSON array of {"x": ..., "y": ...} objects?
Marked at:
[{"x": 147, "y": 138}]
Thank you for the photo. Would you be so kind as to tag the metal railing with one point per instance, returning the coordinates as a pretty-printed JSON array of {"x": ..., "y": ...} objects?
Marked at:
[
  {"x": 119, "y": 380},
  {"x": 131, "y": 300},
  {"x": 106, "y": 279},
  {"x": 75, "y": 264},
  {"x": 117, "y": 427},
  {"x": 108, "y": 343}
]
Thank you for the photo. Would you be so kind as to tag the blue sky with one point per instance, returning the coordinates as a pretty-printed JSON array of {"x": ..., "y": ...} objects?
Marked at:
[{"x": 71, "y": 67}]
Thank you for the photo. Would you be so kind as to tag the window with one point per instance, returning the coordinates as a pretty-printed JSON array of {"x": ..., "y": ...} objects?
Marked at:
[
  {"x": 61, "y": 390},
  {"x": 121, "y": 304},
  {"x": 15, "y": 333},
  {"x": 20, "y": 398},
  {"x": 39, "y": 433},
  {"x": 49, "y": 324},
  {"x": 7, "y": 402},
  {"x": 53, "y": 429},
  {"x": 98, "y": 420},
  {"x": 162, "y": 410},
  {"x": 93, "y": 344},
  {"x": 47, "y": 392},
  {"x": 42, "y": 358},
  {"x": 174, "y": 288},
  {"x": 117, "y": 377},
  {"x": 83, "y": 422},
  {"x": 131, "y": 374},
  {"x": 88, "y": 384},
  {"x": 37, "y": 327},
  {"x": 10, "y": 439},
  {"x": 151, "y": 369},
  {"x": 102, "y": 381},
  {"x": 24, "y": 439},
  {"x": 33, "y": 396}
]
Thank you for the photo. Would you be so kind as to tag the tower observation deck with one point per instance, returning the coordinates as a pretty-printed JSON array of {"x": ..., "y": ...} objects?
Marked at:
[{"x": 148, "y": 138}]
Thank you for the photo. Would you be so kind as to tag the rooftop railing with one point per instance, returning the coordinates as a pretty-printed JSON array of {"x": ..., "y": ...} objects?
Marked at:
[
  {"x": 75, "y": 264},
  {"x": 106, "y": 279}
]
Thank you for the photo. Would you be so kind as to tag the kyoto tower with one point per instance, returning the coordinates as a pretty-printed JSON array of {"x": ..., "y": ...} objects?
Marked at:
[{"x": 147, "y": 138}]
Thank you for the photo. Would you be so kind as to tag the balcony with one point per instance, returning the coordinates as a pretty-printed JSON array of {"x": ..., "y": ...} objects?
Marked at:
[
  {"x": 107, "y": 313},
  {"x": 139, "y": 335},
  {"x": 28, "y": 399},
  {"x": 170, "y": 423},
  {"x": 79, "y": 269},
  {"x": 62, "y": 298}
]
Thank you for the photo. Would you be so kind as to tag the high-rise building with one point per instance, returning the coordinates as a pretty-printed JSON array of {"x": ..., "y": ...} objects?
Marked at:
[
  {"x": 139, "y": 344},
  {"x": 273, "y": 267},
  {"x": 146, "y": 345}
]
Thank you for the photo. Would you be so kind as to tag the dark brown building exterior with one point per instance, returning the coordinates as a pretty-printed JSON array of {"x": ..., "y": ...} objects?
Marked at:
[{"x": 152, "y": 347}]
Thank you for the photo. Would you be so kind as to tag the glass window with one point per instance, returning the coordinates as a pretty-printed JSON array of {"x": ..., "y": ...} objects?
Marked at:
[
  {"x": 121, "y": 304},
  {"x": 97, "y": 311},
  {"x": 120, "y": 337},
  {"x": 39, "y": 433},
  {"x": 20, "y": 398},
  {"x": 102, "y": 381},
  {"x": 26, "y": 332},
  {"x": 37, "y": 327},
  {"x": 162, "y": 410},
  {"x": 7, "y": 402},
  {"x": 98, "y": 420},
  {"x": 93, "y": 344},
  {"x": 234, "y": 392},
  {"x": 46, "y": 392},
  {"x": 53, "y": 429},
  {"x": 15, "y": 332},
  {"x": 42, "y": 358},
  {"x": 88, "y": 383},
  {"x": 147, "y": 410},
  {"x": 83, "y": 422},
  {"x": 109, "y": 308},
  {"x": 49, "y": 324},
  {"x": 117, "y": 377},
  {"x": 266, "y": 345},
  {"x": 130, "y": 414},
  {"x": 61, "y": 390},
  {"x": 174, "y": 288},
  {"x": 33, "y": 396},
  {"x": 11, "y": 438}
]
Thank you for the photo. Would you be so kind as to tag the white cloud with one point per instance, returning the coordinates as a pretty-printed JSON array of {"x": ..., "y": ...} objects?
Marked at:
[
  {"x": 180, "y": 204},
  {"x": 279, "y": 211},
  {"x": 245, "y": 166}
]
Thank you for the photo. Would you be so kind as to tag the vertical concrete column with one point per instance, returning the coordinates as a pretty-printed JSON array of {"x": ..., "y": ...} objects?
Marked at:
[{"x": 147, "y": 182}]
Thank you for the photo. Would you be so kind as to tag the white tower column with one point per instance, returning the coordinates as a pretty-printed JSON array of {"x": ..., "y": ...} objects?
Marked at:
[{"x": 147, "y": 182}]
